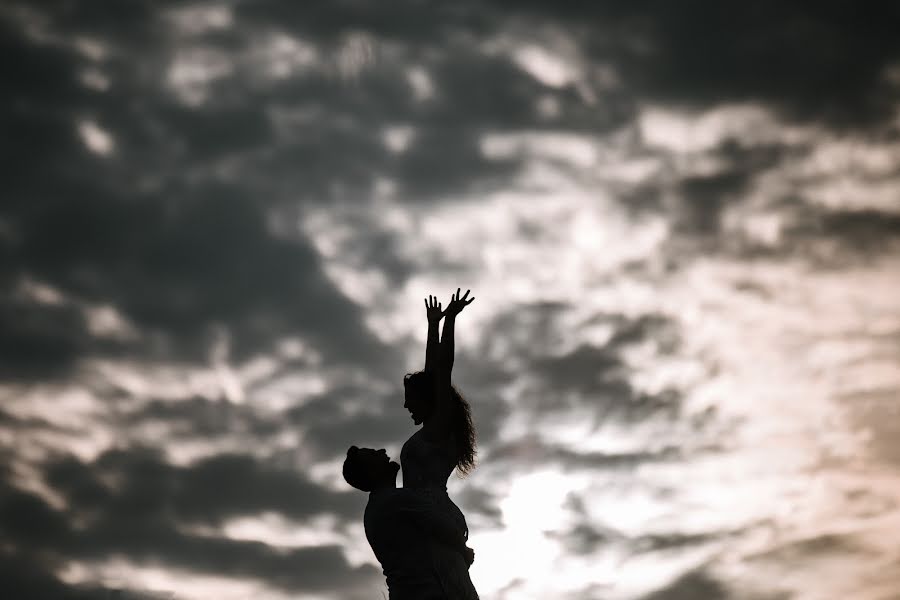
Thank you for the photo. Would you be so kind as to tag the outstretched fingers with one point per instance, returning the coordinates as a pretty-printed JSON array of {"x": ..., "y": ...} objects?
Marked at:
[
  {"x": 463, "y": 298},
  {"x": 433, "y": 308},
  {"x": 458, "y": 301}
]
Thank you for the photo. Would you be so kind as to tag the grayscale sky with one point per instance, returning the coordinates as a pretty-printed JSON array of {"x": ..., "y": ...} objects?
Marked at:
[{"x": 680, "y": 222}]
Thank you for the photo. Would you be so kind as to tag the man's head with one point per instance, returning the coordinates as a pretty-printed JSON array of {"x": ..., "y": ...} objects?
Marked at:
[{"x": 367, "y": 469}]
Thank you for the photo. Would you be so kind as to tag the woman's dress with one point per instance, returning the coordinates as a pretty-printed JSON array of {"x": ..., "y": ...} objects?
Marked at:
[{"x": 426, "y": 467}]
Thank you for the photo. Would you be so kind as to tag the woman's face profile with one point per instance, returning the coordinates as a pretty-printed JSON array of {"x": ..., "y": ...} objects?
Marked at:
[{"x": 417, "y": 406}]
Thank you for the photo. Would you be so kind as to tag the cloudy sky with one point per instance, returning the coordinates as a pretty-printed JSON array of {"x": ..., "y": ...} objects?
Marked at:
[{"x": 680, "y": 221}]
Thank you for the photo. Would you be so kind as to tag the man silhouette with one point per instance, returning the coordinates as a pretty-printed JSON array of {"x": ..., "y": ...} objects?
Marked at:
[{"x": 398, "y": 524}]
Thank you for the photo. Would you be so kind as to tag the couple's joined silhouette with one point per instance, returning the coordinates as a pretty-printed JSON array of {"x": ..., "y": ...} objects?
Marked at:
[{"x": 417, "y": 532}]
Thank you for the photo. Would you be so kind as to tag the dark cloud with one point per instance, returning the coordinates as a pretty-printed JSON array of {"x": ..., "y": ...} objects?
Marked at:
[
  {"x": 704, "y": 198},
  {"x": 29, "y": 521},
  {"x": 329, "y": 427},
  {"x": 659, "y": 328},
  {"x": 210, "y": 490},
  {"x": 825, "y": 64},
  {"x": 139, "y": 514},
  {"x": 587, "y": 536},
  {"x": 371, "y": 429},
  {"x": 158, "y": 232},
  {"x": 826, "y": 238},
  {"x": 860, "y": 227},
  {"x": 641, "y": 199},
  {"x": 572, "y": 383},
  {"x": 569, "y": 459},
  {"x": 203, "y": 417},
  {"x": 479, "y": 502},
  {"x": 495, "y": 94},
  {"x": 449, "y": 160},
  {"x": 218, "y": 131},
  {"x": 194, "y": 250},
  {"x": 182, "y": 269},
  {"x": 697, "y": 204},
  {"x": 699, "y": 583},
  {"x": 128, "y": 21},
  {"x": 480, "y": 379},
  {"x": 582, "y": 539},
  {"x": 175, "y": 265},
  {"x": 409, "y": 21},
  {"x": 532, "y": 450},
  {"x": 821, "y": 545},
  {"x": 865, "y": 231},
  {"x": 175, "y": 261},
  {"x": 589, "y": 379},
  {"x": 23, "y": 577},
  {"x": 39, "y": 340},
  {"x": 669, "y": 541},
  {"x": 306, "y": 569},
  {"x": 584, "y": 369},
  {"x": 341, "y": 154},
  {"x": 696, "y": 584}
]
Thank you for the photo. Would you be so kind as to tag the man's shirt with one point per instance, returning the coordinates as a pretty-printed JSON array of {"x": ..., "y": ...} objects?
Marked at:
[{"x": 399, "y": 528}]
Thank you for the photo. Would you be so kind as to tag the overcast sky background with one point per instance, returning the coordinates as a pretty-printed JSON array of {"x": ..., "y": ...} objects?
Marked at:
[{"x": 680, "y": 221}]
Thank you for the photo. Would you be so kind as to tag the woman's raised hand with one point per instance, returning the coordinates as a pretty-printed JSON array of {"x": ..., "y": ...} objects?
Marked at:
[
  {"x": 433, "y": 309},
  {"x": 458, "y": 303}
]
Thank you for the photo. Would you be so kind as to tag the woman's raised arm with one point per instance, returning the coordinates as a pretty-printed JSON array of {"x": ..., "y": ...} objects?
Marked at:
[
  {"x": 434, "y": 314},
  {"x": 439, "y": 423}
]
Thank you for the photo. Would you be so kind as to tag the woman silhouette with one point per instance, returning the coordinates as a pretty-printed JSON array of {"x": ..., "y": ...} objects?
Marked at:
[{"x": 446, "y": 440}]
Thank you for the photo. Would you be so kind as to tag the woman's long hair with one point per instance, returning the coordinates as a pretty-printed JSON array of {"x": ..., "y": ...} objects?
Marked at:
[{"x": 421, "y": 385}]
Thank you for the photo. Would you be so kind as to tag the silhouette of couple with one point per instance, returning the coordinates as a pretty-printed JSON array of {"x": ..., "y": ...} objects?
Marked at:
[{"x": 417, "y": 532}]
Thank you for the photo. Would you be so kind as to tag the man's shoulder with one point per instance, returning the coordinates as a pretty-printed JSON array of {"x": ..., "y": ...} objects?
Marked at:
[
  {"x": 392, "y": 502},
  {"x": 381, "y": 500}
]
